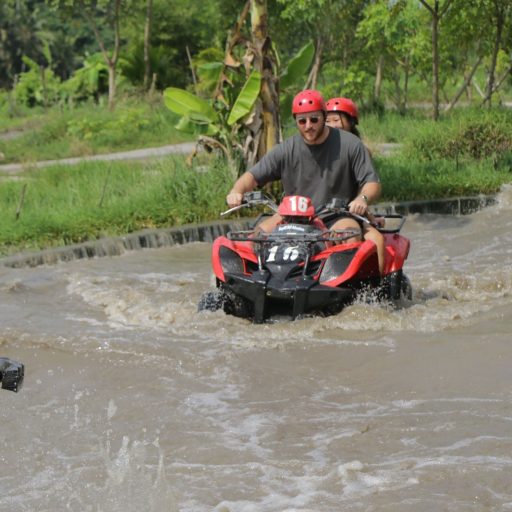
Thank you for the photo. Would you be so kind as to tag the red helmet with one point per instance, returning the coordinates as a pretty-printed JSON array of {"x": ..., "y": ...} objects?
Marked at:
[
  {"x": 343, "y": 105},
  {"x": 296, "y": 206},
  {"x": 308, "y": 101}
]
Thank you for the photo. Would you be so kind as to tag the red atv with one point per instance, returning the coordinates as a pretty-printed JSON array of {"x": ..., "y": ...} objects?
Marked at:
[{"x": 302, "y": 267}]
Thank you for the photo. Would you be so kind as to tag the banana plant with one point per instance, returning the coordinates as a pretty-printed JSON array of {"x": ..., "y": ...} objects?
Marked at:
[
  {"x": 218, "y": 126},
  {"x": 233, "y": 129},
  {"x": 87, "y": 80}
]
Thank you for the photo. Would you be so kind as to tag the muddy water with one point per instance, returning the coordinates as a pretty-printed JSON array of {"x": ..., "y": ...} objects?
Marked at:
[{"x": 134, "y": 402}]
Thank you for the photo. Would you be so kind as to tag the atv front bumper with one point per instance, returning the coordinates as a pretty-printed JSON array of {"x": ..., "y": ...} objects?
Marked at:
[{"x": 293, "y": 297}]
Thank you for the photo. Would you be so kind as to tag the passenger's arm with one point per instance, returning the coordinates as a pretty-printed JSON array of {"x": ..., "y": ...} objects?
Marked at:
[{"x": 246, "y": 183}]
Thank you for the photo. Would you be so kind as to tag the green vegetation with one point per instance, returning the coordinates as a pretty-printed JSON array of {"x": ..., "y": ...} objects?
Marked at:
[
  {"x": 90, "y": 129},
  {"x": 70, "y": 204},
  {"x": 467, "y": 153},
  {"x": 467, "y": 134},
  {"x": 406, "y": 180}
]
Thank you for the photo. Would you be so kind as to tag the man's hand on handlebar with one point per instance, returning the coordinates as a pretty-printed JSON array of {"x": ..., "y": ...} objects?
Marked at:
[
  {"x": 359, "y": 206},
  {"x": 234, "y": 199}
]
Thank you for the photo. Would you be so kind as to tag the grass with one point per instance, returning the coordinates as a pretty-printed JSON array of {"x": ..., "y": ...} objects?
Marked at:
[
  {"x": 89, "y": 129},
  {"x": 404, "y": 180},
  {"x": 71, "y": 204},
  {"x": 391, "y": 126}
]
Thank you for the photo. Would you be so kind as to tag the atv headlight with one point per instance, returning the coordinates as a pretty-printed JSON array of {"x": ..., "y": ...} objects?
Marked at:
[
  {"x": 336, "y": 264},
  {"x": 230, "y": 261}
]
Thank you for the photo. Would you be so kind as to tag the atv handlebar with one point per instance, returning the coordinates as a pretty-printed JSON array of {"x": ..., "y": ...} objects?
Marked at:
[
  {"x": 257, "y": 198},
  {"x": 335, "y": 205}
]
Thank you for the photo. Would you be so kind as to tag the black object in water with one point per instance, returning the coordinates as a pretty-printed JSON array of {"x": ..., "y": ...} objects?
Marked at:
[{"x": 11, "y": 374}]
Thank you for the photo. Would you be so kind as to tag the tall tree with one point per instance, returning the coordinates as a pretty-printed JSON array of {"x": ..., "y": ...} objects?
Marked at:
[
  {"x": 332, "y": 24},
  {"x": 26, "y": 30},
  {"x": 436, "y": 12},
  {"x": 500, "y": 12},
  {"x": 93, "y": 11},
  {"x": 388, "y": 33},
  {"x": 191, "y": 24}
]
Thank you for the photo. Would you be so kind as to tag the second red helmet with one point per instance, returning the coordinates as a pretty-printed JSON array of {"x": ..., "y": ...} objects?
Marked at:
[
  {"x": 343, "y": 105},
  {"x": 308, "y": 100}
]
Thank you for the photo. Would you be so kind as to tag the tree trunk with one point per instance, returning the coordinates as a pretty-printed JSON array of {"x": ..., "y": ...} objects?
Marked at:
[
  {"x": 317, "y": 64},
  {"x": 191, "y": 64},
  {"x": 498, "y": 82},
  {"x": 114, "y": 58},
  {"x": 464, "y": 86},
  {"x": 378, "y": 78},
  {"x": 110, "y": 60},
  {"x": 436, "y": 14},
  {"x": 264, "y": 62},
  {"x": 398, "y": 93},
  {"x": 45, "y": 89},
  {"x": 147, "y": 44},
  {"x": 435, "y": 61},
  {"x": 500, "y": 21},
  {"x": 407, "y": 69},
  {"x": 111, "y": 86}
]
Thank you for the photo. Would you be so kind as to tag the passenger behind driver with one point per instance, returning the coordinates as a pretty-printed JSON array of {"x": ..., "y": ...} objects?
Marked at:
[{"x": 342, "y": 113}]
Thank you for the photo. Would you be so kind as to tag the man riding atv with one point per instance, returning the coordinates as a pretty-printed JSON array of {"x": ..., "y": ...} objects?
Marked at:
[{"x": 319, "y": 162}]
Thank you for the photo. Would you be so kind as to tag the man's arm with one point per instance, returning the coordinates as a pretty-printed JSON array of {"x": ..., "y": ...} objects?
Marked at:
[
  {"x": 246, "y": 183},
  {"x": 369, "y": 193}
]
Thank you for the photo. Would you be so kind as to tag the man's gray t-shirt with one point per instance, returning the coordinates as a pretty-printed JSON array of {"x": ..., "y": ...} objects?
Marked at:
[{"x": 338, "y": 167}]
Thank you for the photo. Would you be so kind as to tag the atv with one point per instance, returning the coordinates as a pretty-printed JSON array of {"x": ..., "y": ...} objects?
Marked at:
[{"x": 302, "y": 267}]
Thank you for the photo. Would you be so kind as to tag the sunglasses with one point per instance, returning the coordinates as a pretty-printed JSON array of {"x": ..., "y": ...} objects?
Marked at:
[{"x": 304, "y": 120}]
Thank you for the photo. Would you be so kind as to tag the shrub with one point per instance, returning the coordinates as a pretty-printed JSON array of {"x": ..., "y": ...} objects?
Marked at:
[
  {"x": 37, "y": 86},
  {"x": 471, "y": 135}
]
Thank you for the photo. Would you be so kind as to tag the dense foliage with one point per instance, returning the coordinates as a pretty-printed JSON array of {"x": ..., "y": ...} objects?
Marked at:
[{"x": 377, "y": 52}]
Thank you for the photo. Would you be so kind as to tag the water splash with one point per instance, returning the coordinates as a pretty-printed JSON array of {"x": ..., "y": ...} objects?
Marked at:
[{"x": 131, "y": 483}]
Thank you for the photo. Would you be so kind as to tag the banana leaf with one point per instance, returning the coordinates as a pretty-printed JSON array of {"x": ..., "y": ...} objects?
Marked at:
[
  {"x": 210, "y": 71},
  {"x": 184, "y": 103},
  {"x": 194, "y": 127},
  {"x": 285, "y": 106},
  {"x": 298, "y": 66},
  {"x": 245, "y": 101}
]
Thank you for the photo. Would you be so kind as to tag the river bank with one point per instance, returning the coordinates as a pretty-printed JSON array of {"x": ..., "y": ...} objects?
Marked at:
[{"x": 207, "y": 232}]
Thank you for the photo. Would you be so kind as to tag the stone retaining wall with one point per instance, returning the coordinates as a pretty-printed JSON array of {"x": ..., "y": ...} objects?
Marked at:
[{"x": 164, "y": 237}]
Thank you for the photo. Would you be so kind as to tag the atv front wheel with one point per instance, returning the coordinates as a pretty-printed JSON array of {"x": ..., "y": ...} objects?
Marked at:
[
  {"x": 396, "y": 286},
  {"x": 237, "y": 306},
  {"x": 226, "y": 300},
  {"x": 406, "y": 288}
]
